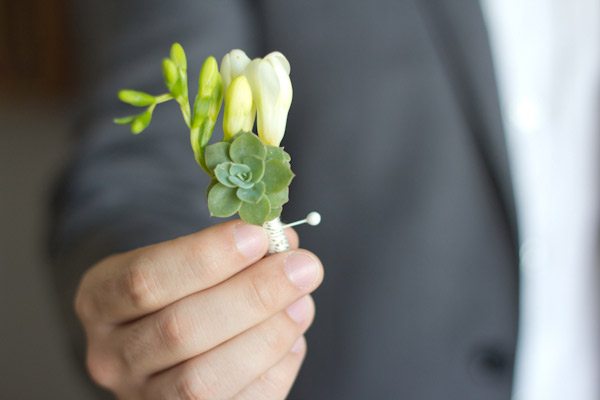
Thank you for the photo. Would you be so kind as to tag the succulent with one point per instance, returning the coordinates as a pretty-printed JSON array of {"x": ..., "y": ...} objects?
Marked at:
[
  {"x": 249, "y": 177},
  {"x": 250, "y": 174}
]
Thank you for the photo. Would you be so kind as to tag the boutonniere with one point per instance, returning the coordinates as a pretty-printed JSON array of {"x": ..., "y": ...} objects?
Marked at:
[{"x": 250, "y": 173}]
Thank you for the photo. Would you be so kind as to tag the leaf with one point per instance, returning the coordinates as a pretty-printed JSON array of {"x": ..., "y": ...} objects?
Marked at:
[
  {"x": 257, "y": 166},
  {"x": 247, "y": 145},
  {"x": 222, "y": 201},
  {"x": 237, "y": 169},
  {"x": 222, "y": 174},
  {"x": 255, "y": 213},
  {"x": 278, "y": 199},
  {"x": 278, "y": 175},
  {"x": 252, "y": 195},
  {"x": 136, "y": 98},
  {"x": 274, "y": 213},
  {"x": 277, "y": 153},
  {"x": 240, "y": 182},
  {"x": 124, "y": 120},
  {"x": 210, "y": 186},
  {"x": 216, "y": 154}
]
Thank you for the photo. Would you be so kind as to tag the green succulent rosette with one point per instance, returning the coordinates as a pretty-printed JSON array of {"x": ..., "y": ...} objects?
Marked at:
[
  {"x": 249, "y": 178},
  {"x": 250, "y": 174}
]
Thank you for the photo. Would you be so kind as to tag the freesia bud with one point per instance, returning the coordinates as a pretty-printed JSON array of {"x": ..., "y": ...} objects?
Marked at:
[
  {"x": 239, "y": 108},
  {"x": 170, "y": 73},
  {"x": 206, "y": 105},
  {"x": 272, "y": 93},
  {"x": 178, "y": 56},
  {"x": 233, "y": 65}
]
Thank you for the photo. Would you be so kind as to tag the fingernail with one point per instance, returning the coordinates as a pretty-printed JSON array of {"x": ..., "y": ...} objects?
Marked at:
[
  {"x": 301, "y": 269},
  {"x": 298, "y": 311},
  {"x": 299, "y": 345},
  {"x": 250, "y": 240}
]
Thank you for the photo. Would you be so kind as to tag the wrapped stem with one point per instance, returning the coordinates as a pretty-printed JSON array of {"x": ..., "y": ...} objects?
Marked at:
[{"x": 278, "y": 242}]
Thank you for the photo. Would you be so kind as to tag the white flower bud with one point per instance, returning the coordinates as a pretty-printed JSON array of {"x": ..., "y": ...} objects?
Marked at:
[
  {"x": 272, "y": 93},
  {"x": 233, "y": 65}
]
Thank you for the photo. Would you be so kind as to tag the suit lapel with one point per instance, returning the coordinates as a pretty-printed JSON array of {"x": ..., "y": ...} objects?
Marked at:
[{"x": 460, "y": 37}]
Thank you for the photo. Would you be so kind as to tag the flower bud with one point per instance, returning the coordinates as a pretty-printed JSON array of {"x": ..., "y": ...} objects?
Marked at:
[
  {"x": 233, "y": 65},
  {"x": 170, "y": 73},
  {"x": 210, "y": 90},
  {"x": 136, "y": 98},
  {"x": 206, "y": 106},
  {"x": 239, "y": 108},
  {"x": 272, "y": 93},
  {"x": 178, "y": 56}
]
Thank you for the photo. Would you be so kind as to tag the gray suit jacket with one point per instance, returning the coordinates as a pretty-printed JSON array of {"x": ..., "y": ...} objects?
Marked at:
[{"x": 396, "y": 138}]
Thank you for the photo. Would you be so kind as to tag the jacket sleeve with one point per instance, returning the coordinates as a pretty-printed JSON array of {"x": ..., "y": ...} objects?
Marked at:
[{"x": 121, "y": 191}]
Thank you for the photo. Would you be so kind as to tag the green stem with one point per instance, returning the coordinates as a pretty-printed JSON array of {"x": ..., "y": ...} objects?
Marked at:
[
  {"x": 163, "y": 98},
  {"x": 198, "y": 149},
  {"x": 185, "y": 111}
]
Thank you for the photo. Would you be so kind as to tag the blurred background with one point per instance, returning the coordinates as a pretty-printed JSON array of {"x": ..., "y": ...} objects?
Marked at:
[{"x": 36, "y": 87}]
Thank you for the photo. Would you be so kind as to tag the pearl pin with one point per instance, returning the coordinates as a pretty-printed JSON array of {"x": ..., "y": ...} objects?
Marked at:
[{"x": 313, "y": 218}]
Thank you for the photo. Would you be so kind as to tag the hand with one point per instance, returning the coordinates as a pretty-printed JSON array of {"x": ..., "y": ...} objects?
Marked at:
[{"x": 203, "y": 316}]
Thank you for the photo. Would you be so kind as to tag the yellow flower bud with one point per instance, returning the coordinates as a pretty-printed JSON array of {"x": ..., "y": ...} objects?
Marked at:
[{"x": 239, "y": 108}]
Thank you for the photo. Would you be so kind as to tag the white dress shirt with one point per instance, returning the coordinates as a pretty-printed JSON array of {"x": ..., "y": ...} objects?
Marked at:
[{"x": 546, "y": 54}]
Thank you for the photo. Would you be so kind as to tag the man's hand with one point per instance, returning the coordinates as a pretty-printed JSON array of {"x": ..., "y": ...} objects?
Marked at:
[{"x": 203, "y": 316}]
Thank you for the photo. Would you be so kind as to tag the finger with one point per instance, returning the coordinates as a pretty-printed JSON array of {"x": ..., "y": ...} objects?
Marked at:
[
  {"x": 204, "y": 320},
  {"x": 136, "y": 283},
  {"x": 275, "y": 384},
  {"x": 292, "y": 237},
  {"x": 227, "y": 369}
]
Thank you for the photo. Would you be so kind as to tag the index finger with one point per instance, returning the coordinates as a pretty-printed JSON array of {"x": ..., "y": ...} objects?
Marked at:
[{"x": 130, "y": 285}]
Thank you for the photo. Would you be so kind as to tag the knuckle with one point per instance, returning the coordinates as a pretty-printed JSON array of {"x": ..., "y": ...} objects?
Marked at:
[
  {"x": 202, "y": 264},
  {"x": 138, "y": 285},
  {"x": 83, "y": 303},
  {"x": 101, "y": 368},
  {"x": 261, "y": 294},
  {"x": 133, "y": 349},
  {"x": 191, "y": 387},
  {"x": 170, "y": 330},
  {"x": 277, "y": 341},
  {"x": 272, "y": 380}
]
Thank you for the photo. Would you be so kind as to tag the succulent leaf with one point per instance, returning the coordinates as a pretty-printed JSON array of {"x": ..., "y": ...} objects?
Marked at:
[
  {"x": 278, "y": 199},
  {"x": 246, "y": 145},
  {"x": 255, "y": 213},
  {"x": 257, "y": 166},
  {"x": 222, "y": 201},
  {"x": 240, "y": 182},
  {"x": 222, "y": 174},
  {"x": 216, "y": 154},
  {"x": 277, "y": 153},
  {"x": 253, "y": 194},
  {"x": 278, "y": 175},
  {"x": 274, "y": 213}
]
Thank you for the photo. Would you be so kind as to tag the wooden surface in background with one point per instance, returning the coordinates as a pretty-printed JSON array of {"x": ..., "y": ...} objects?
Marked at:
[{"x": 34, "y": 46}]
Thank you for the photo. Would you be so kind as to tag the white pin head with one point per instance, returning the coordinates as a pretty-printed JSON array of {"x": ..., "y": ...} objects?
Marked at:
[{"x": 313, "y": 218}]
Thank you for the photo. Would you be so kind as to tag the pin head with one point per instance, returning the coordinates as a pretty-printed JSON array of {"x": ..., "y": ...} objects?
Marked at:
[{"x": 313, "y": 218}]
